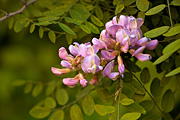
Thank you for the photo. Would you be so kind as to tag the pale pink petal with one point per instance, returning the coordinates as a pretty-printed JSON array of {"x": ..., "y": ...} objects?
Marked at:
[
  {"x": 83, "y": 82},
  {"x": 142, "y": 41},
  {"x": 66, "y": 64},
  {"x": 143, "y": 57},
  {"x": 73, "y": 50},
  {"x": 123, "y": 21},
  {"x": 113, "y": 75},
  {"x": 70, "y": 81},
  {"x": 59, "y": 72},
  {"x": 63, "y": 54},
  {"x": 140, "y": 21},
  {"x": 152, "y": 44},
  {"x": 139, "y": 50},
  {"x": 107, "y": 55},
  {"x": 108, "y": 69},
  {"x": 125, "y": 48}
]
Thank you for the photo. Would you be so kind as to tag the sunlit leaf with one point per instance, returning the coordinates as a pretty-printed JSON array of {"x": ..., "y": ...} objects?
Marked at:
[
  {"x": 175, "y": 3},
  {"x": 172, "y": 47},
  {"x": 19, "y": 25},
  {"x": 103, "y": 110},
  {"x": 50, "y": 89},
  {"x": 142, "y": 5},
  {"x": 119, "y": 8},
  {"x": 127, "y": 101},
  {"x": 67, "y": 29},
  {"x": 40, "y": 112},
  {"x": 11, "y": 22},
  {"x": 155, "y": 9},
  {"x": 52, "y": 36},
  {"x": 88, "y": 105},
  {"x": 41, "y": 32},
  {"x": 50, "y": 102},
  {"x": 156, "y": 32},
  {"x": 135, "y": 107},
  {"x": 99, "y": 13},
  {"x": 128, "y": 2},
  {"x": 92, "y": 27},
  {"x": 131, "y": 116},
  {"x": 19, "y": 82},
  {"x": 57, "y": 115},
  {"x": 28, "y": 87},
  {"x": 48, "y": 18},
  {"x": 167, "y": 103},
  {"x": 174, "y": 72},
  {"x": 62, "y": 96},
  {"x": 85, "y": 29},
  {"x": 96, "y": 21},
  {"x": 76, "y": 113},
  {"x": 32, "y": 28},
  {"x": 162, "y": 58},
  {"x": 145, "y": 75},
  {"x": 172, "y": 31},
  {"x": 37, "y": 90}
]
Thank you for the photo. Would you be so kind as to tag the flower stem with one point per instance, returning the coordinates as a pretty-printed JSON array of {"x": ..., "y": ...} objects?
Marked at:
[
  {"x": 120, "y": 89},
  {"x": 169, "y": 13}
]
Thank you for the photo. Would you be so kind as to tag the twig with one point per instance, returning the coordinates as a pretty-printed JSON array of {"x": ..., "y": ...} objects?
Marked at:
[
  {"x": 18, "y": 11},
  {"x": 120, "y": 89},
  {"x": 146, "y": 90},
  {"x": 169, "y": 13}
]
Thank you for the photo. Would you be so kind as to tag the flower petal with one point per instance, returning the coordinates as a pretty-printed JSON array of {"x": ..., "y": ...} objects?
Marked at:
[
  {"x": 142, "y": 41},
  {"x": 66, "y": 64},
  {"x": 70, "y": 81},
  {"x": 63, "y": 54},
  {"x": 107, "y": 55},
  {"x": 139, "y": 50},
  {"x": 113, "y": 75},
  {"x": 123, "y": 21},
  {"x": 59, "y": 72},
  {"x": 143, "y": 57},
  {"x": 152, "y": 44},
  {"x": 140, "y": 21},
  {"x": 108, "y": 69},
  {"x": 83, "y": 82},
  {"x": 73, "y": 50}
]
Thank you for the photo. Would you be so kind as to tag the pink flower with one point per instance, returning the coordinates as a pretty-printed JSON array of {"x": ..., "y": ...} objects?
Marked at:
[
  {"x": 121, "y": 66},
  {"x": 152, "y": 44},
  {"x": 59, "y": 72},
  {"x": 108, "y": 71}
]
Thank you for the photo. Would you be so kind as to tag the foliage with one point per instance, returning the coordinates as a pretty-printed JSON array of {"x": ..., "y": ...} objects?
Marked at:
[{"x": 147, "y": 93}]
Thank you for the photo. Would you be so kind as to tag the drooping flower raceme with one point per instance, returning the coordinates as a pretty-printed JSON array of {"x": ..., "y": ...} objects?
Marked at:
[{"x": 120, "y": 37}]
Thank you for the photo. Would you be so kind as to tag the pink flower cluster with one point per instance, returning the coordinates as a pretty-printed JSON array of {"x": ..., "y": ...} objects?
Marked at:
[{"x": 120, "y": 36}]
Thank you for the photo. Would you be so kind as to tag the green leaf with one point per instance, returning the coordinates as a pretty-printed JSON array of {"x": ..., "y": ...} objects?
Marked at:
[
  {"x": 127, "y": 77},
  {"x": 167, "y": 102},
  {"x": 175, "y": 3},
  {"x": 88, "y": 105},
  {"x": 32, "y": 28},
  {"x": 85, "y": 29},
  {"x": 93, "y": 28},
  {"x": 162, "y": 58},
  {"x": 104, "y": 95},
  {"x": 41, "y": 32},
  {"x": 152, "y": 117},
  {"x": 57, "y": 115},
  {"x": 70, "y": 20},
  {"x": 40, "y": 112},
  {"x": 76, "y": 113},
  {"x": 19, "y": 82},
  {"x": 52, "y": 36},
  {"x": 103, "y": 110},
  {"x": 62, "y": 96},
  {"x": 135, "y": 107},
  {"x": 45, "y": 23},
  {"x": 50, "y": 102},
  {"x": 132, "y": 66},
  {"x": 28, "y": 87},
  {"x": 127, "y": 101},
  {"x": 156, "y": 32},
  {"x": 96, "y": 21},
  {"x": 172, "y": 31},
  {"x": 138, "y": 89},
  {"x": 11, "y": 22},
  {"x": 82, "y": 10},
  {"x": 99, "y": 13},
  {"x": 155, "y": 88},
  {"x": 128, "y": 2},
  {"x": 174, "y": 72},
  {"x": 67, "y": 29},
  {"x": 84, "y": 91},
  {"x": 145, "y": 75},
  {"x": 76, "y": 16},
  {"x": 19, "y": 25},
  {"x": 147, "y": 104},
  {"x": 119, "y": 8},
  {"x": 69, "y": 38},
  {"x": 164, "y": 81},
  {"x": 172, "y": 47},
  {"x": 142, "y": 5},
  {"x": 131, "y": 116},
  {"x": 48, "y": 18},
  {"x": 50, "y": 89},
  {"x": 155, "y": 10},
  {"x": 37, "y": 90},
  {"x": 54, "y": 13}
]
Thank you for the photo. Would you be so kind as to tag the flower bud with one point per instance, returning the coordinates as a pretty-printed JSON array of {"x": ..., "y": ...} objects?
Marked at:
[
  {"x": 121, "y": 66},
  {"x": 71, "y": 82},
  {"x": 59, "y": 72},
  {"x": 139, "y": 50},
  {"x": 66, "y": 64},
  {"x": 152, "y": 44},
  {"x": 142, "y": 41},
  {"x": 143, "y": 57}
]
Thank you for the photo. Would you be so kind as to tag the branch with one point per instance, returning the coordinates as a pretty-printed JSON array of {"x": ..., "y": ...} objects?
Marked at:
[{"x": 18, "y": 11}]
